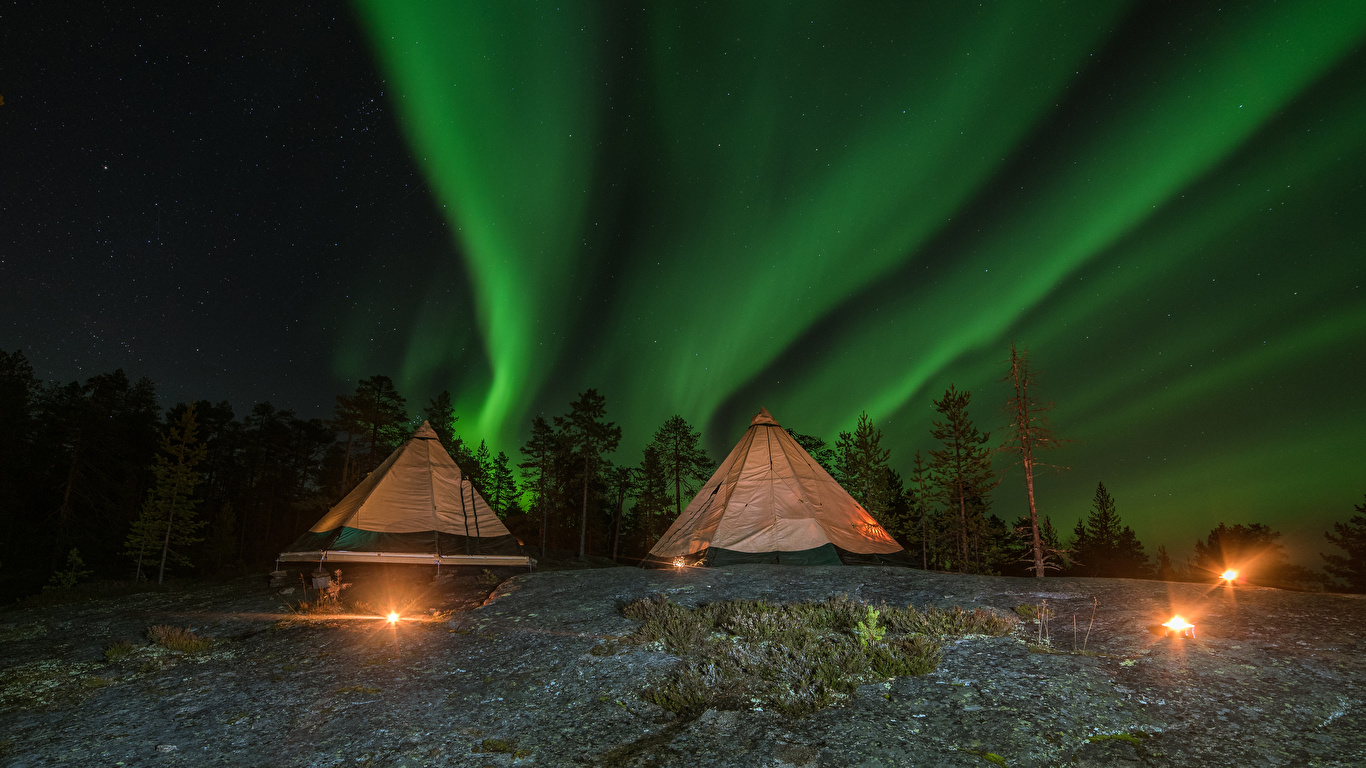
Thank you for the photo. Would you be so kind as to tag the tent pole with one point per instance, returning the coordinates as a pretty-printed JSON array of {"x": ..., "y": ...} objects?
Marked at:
[
  {"x": 464, "y": 512},
  {"x": 476, "y": 520},
  {"x": 436, "y": 523}
]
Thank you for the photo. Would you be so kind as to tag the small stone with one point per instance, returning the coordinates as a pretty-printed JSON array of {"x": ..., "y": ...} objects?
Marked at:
[{"x": 167, "y": 747}]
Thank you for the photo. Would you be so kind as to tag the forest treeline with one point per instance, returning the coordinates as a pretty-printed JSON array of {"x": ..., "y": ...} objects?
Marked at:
[{"x": 97, "y": 481}]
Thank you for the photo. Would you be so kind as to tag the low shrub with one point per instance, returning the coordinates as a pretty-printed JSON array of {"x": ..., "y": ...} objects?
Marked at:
[{"x": 794, "y": 658}]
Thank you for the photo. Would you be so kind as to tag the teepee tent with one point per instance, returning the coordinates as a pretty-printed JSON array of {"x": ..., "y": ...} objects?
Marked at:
[
  {"x": 770, "y": 502},
  {"x": 417, "y": 507}
]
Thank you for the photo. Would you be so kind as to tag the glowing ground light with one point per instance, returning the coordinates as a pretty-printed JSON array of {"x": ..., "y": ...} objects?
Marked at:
[
  {"x": 393, "y": 618},
  {"x": 1180, "y": 627},
  {"x": 1229, "y": 575},
  {"x": 678, "y": 562}
]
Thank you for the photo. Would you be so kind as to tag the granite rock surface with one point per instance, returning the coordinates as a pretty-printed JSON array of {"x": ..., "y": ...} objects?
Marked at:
[{"x": 533, "y": 674}]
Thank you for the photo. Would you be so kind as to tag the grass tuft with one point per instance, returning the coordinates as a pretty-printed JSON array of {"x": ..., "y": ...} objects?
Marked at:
[
  {"x": 177, "y": 639},
  {"x": 120, "y": 651}
]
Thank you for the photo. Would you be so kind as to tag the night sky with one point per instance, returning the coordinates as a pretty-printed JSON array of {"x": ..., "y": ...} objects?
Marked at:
[{"x": 817, "y": 208}]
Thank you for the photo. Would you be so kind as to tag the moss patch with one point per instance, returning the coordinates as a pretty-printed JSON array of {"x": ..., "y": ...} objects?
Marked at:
[
  {"x": 990, "y": 757},
  {"x": 794, "y": 658},
  {"x": 1134, "y": 739}
]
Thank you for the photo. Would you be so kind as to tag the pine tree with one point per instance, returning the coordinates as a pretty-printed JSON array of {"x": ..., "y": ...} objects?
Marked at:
[
  {"x": 1165, "y": 570},
  {"x": 346, "y": 417},
  {"x": 684, "y": 461},
  {"x": 898, "y": 516},
  {"x": 440, "y": 414},
  {"x": 962, "y": 472},
  {"x": 1029, "y": 433},
  {"x": 817, "y": 448},
  {"x": 168, "y": 517},
  {"x": 108, "y": 430},
  {"x": 502, "y": 485},
  {"x": 480, "y": 470},
  {"x": 222, "y": 535},
  {"x": 861, "y": 462},
  {"x": 382, "y": 417},
  {"x": 620, "y": 485},
  {"x": 1053, "y": 542},
  {"x": 590, "y": 436},
  {"x": 994, "y": 546},
  {"x": 1131, "y": 562},
  {"x": 1351, "y": 538},
  {"x": 1103, "y": 546},
  {"x": 920, "y": 506},
  {"x": 1102, "y": 530},
  {"x": 540, "y": 450},
  {"x": 653, "y": 497},
  {"x": 1081, "y": 542},
  {"x": 75, "y": 573},
  {"x": 1255, "y": 551}
]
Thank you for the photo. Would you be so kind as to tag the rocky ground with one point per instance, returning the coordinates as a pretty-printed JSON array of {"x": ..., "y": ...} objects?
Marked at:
[{"x": 534, "y": 677}]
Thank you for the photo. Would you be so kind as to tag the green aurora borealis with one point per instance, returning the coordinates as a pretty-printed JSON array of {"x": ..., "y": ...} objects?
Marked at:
[{"x": 829, "y": 208}]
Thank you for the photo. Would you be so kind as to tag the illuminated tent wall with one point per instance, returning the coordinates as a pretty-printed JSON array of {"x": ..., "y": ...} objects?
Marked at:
[
  {"x": 770, "y": 502},
  {"x": 416, "y": 507}
]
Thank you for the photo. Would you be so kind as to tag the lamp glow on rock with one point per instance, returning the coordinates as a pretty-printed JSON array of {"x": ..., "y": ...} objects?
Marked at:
[
  {"x": 1179, "y": 627},
  {"x": 392, "y": 618},
  {"x": 678, "y": 562},
  {"x": 1230, "y": 575}
]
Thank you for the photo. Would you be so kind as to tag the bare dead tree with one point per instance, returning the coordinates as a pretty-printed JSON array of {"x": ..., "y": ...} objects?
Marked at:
[{"x": 1027, "y": 433}]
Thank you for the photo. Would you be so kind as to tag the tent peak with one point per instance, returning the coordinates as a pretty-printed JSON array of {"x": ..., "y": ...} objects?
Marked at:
[
  {"x": 764, "y": 417},
  {"x": 425, "y": 432}
]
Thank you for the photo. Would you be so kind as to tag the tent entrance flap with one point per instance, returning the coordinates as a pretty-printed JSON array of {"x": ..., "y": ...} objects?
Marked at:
[
  {"x": 822, "y": 555},
  {"x": 357, "y": 540}
]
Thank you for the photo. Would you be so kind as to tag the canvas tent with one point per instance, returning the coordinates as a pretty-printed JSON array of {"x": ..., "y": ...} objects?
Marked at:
[
  {"x": 770, "y": 502},
  {"x": 417, "y": 507}
]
